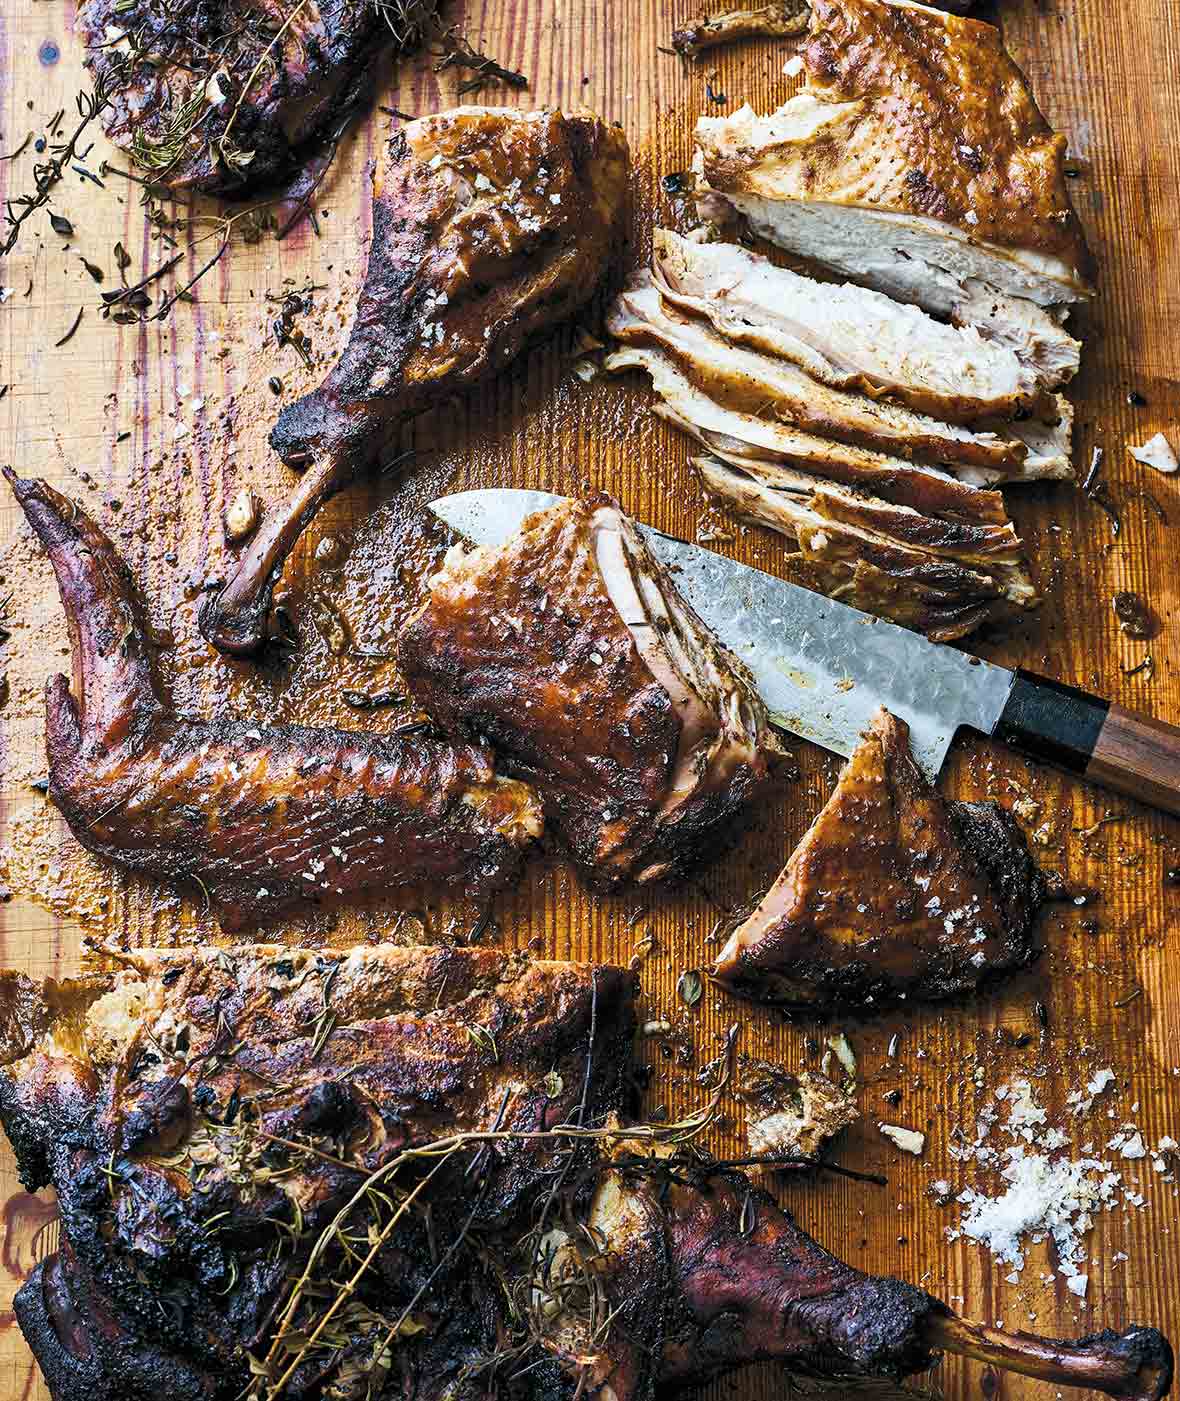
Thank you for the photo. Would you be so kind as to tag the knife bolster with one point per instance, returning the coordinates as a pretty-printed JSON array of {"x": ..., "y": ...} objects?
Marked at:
[{"x": 1052, "y": 721}]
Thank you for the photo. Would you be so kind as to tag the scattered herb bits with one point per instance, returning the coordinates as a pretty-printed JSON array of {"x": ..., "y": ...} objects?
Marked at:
[
  {"x": 690, "y": 987},
  {"x": 69, "y": 335}
]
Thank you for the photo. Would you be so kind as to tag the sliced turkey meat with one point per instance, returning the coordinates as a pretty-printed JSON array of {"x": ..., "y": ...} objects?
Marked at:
[
  {"x": 753, "y": 382},
  {"x": 847, "y": 336},
  {"x": 747, "y": 441},
  {"x": 571, "y": 650},
  {"x": 1049, "y": 444},
  {"x": 915, "y": 161},
  {"x": 1036, "y": 334},
  {"x": 939, "y": 578}
]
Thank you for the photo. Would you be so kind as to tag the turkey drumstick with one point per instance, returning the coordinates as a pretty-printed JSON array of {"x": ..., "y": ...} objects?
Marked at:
[
  {"x": 261, "y": 818},
  {"x": 489, "y": 227},
  {"x": 1135, "y": 1364},
  {"x": 707, "y": 1272}
]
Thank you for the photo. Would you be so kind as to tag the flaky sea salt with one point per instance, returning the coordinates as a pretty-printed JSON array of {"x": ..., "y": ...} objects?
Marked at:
[
  {"x": 1101, "y": 1080},
  {"x": 1048, "y": 1193}
]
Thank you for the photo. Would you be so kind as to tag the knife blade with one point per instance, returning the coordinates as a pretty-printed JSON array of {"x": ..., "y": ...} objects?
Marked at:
[{"x": 823, "y": 668}]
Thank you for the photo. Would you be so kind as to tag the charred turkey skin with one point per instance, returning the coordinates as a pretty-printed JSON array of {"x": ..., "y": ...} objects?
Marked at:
[
  {"x": 157, "y": 1100},
  {"x": 570, "y": 649},
  {"x": 490, "y": 226},
  {"x": 261, "y": 818},
  {"x": 231, "y": 96}
]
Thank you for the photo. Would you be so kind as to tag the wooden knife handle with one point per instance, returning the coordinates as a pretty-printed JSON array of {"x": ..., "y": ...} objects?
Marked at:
[{"x": 1102, "y": 742}]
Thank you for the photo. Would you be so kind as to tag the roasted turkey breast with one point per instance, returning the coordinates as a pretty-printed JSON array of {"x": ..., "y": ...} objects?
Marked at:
[
  {"x": 771, "y": 387},
  {"x": 915, "y": 161},
  {"x": 570, "y": 649},
  {"x": 848, "y": 336}
]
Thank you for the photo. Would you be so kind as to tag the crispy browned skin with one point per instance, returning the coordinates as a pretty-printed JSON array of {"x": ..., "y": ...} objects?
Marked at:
[
  {"x": 925, "y": 86},
  {"x": 538, "y": 646},
  {"x": 231, "y": 95},
  {"x": 490, "y": 226},
  {"x": 893, "y": 892},
  {"x": 777, "y": 21},
  {"x": 261, "y": 818},
  {"x": 207, "y": 1115},
  {"x": 946, "y": 83}
]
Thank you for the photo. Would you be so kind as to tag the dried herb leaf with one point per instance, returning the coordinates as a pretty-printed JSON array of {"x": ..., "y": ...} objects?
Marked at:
[
  {"x": 69, "y": 335},
  {"x": 690, "y": 987},
  {"x": 484, "y": 1039},
  {"x": 61, "y": 225}
]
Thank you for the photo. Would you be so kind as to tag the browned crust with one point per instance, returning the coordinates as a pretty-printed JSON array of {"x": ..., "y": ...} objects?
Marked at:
[
  {"x": 860, "y": 914},
  {"x": 966, "y": 132},
  {"x": 529, "y": 650},
  {"x": 261, "y": 819}
]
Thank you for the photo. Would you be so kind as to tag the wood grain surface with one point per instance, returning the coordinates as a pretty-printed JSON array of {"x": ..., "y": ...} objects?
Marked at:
[{"x": 154, "y": 427}]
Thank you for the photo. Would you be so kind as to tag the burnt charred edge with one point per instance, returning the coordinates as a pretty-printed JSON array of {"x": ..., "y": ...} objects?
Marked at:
[
  {"x": 859, "y": 989},
  {"x": 1146, "y": 1351},
  {"x": 998, "y": 844},
  {"x": 144, "y": 1300},
  {"x": 283, "y": 123}
]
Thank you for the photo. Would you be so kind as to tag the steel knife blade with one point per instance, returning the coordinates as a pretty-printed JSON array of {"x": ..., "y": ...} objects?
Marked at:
[{"x": 823, "y": 668}]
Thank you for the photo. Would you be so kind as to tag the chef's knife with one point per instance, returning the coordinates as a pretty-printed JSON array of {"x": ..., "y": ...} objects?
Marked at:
[{"x": 823, "y": 668}]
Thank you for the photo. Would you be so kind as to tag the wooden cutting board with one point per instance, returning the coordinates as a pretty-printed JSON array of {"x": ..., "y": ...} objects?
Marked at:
[{"x": 153, "y": 427}]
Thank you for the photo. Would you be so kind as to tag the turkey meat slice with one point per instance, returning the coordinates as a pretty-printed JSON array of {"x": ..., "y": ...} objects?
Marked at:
[
  {"x": 571, "y": 650},
  {"x": 845, "y": 335},
  {"x": 915, "y": 160},
  {"x": 894, "y": 893},
  {"x": 940, "y": 578},
  {"x": 748, "y": 441},
  {"x": 754, "y": 382}
]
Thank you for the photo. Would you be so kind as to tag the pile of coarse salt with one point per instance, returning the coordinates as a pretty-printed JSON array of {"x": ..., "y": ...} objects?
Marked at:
[{"x": 1049, "y": 1193}]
